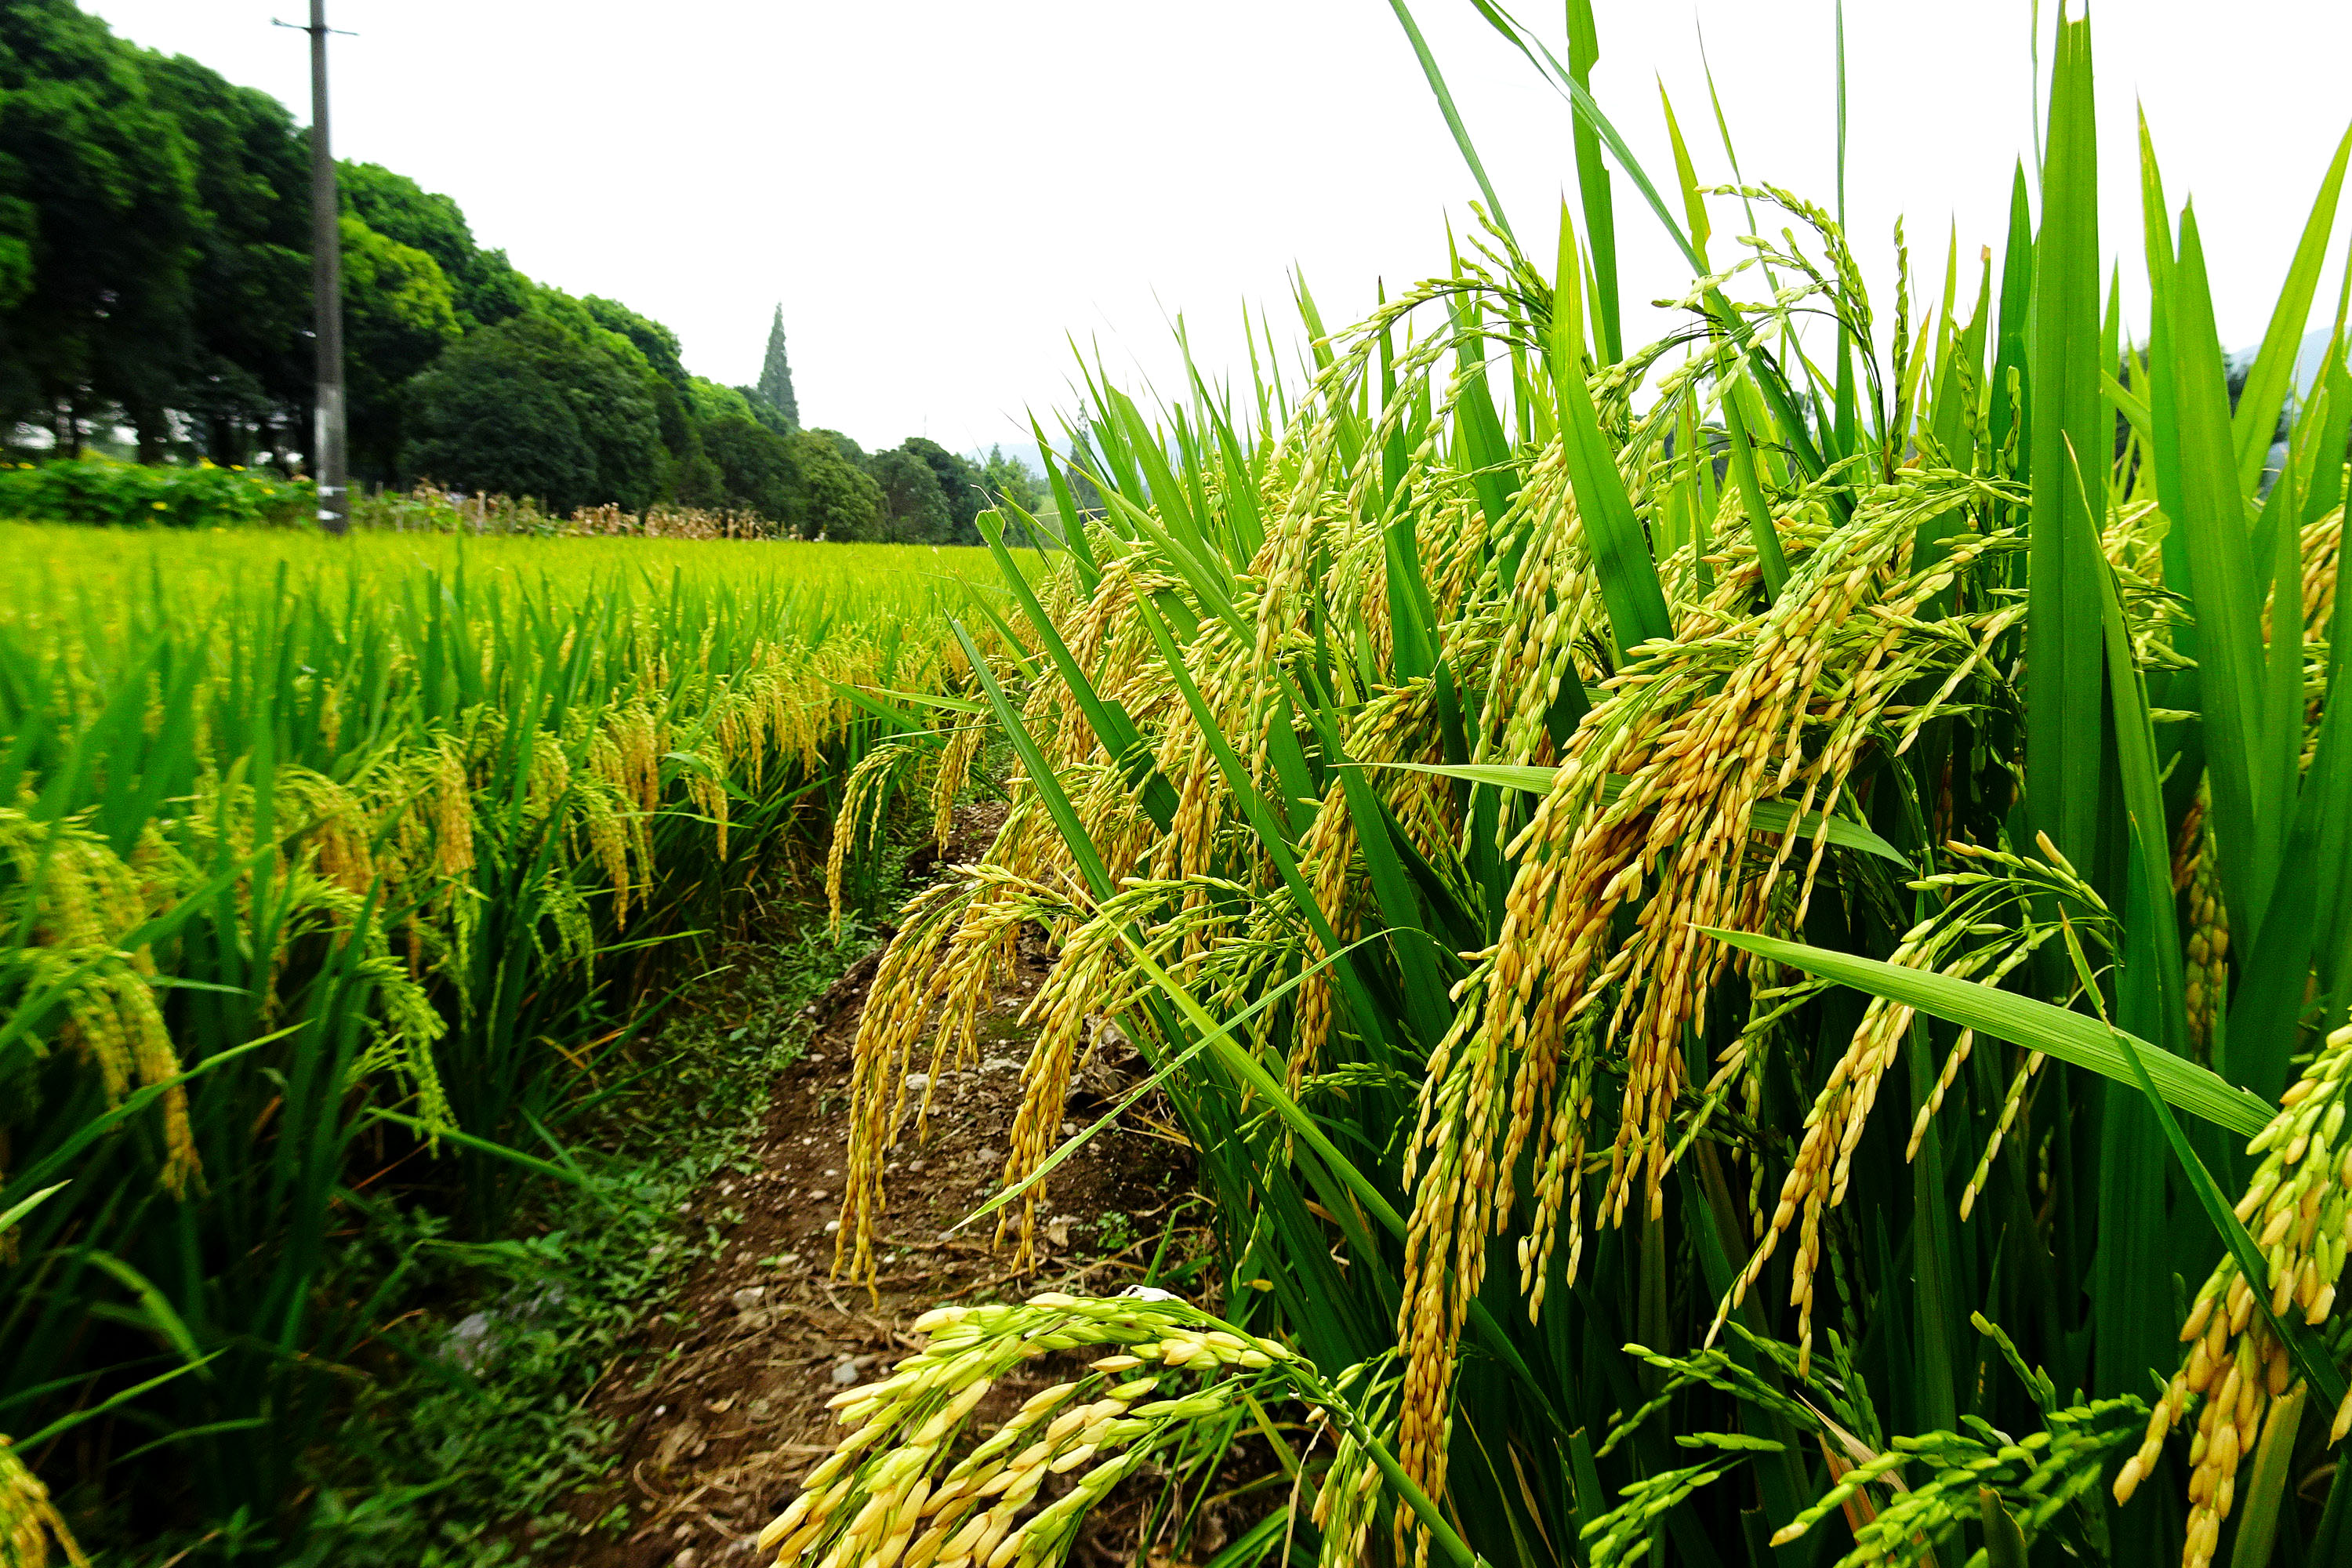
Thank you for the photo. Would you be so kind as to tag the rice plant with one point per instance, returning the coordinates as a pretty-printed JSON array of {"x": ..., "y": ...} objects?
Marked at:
[
  {"x": 1749, "y": 934},
  {"x": 338, "y": 874}
]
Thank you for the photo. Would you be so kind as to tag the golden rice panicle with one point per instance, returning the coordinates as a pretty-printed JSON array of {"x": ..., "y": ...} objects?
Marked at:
[
  {"x": 452, "y": 810},
  {"x": 706, "y": 787},
  {"x": 2206, "y": 956},
  {"x": 92, "y": 902},
  {"x": 1454, "y": 1172},
  {"x": 962, "y": 748},
  {"x": 2012, "y": 1102},
  {"x": 1349, "y": 1501},
  {"x": 864, "y": 803},
  {"x": 1326, "y": 858},
  {"x": 901, "y": 1487},
  {"x": 1559, "y": 1180},
  {"x": 1697, "y": 758},
  {"x": 2296, "y": 1209},
  {"x": 1109, "y": 811},
  {"x": 340, "y": 830},
  {"x": 1106, "y": 638},
  {"x": 1553, "y": 615},
  {"x": 910, "y": 977},
  {"x": 29, "y": 1521},
  {"x": 617, "y": 836},
  {"x": 1953, "y": 943},
  {"x": 2323, "y": 555},
  {"x": 1346, "y": 1505},
  {"x": 1698, "y": 732},
  {"x": 1083, "y": 982},
  {"x": 955, "y": 939},
  {"x": 627, "y": 751},
  {"x": 1818, "y": 1177},
  {"x": 551, "y": 775},
  {"x": 737, "y": 722}
]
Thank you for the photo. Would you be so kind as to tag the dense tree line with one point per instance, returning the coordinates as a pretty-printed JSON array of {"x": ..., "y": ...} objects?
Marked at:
[{"x": 154, "y": 276}]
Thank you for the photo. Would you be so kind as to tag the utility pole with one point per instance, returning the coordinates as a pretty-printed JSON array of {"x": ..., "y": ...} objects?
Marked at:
[{"x": 327, "y": 428}]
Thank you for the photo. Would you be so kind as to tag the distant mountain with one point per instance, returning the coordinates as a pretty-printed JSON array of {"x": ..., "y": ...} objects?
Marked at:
[{"x": 2307, "y": 360}]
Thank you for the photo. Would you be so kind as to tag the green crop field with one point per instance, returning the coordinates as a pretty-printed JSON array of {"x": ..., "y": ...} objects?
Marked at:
[
  {"x": 317, "y": 854},
  {"x": 57, "y": 574},
  {"x": 1746, "y": 941}
]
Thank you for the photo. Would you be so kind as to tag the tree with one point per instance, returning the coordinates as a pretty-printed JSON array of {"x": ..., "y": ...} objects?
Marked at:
[
  {"x": 397, "y": 315},
  {"x": 486, "y": 419},
  {"x": 694, "y": 480},
  {"x": 583, "y": 430},
  {"x": 960, "y": 488},
  {"x": 100, "y": 272},
  {"x": 851, "y": 452},
  {"x": 709, "y": 399},
  {"x": 655, "y": 342},
  {"x": 834, "y": 497},
  {"x": 248, "y": 365},
  {"x": 686, "y": 477},
  {"x": 19, "y": 227},
  {"x": 776, "y": 374},
  {"x": 1012, "y": 479},
  {"x": 154, "y": 268},
  {"x": 755, "y": 465},
  {"x": 800, "y": 482},
  {"x": 485, "y": 288},
  {"x": 766, "y": 411},
  {"x": 914, "y": 507},
  {"x": 575, "y": 316}
]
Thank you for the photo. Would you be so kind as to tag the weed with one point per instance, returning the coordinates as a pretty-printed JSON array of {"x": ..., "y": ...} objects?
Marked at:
[{"x": 461, "y": 1460}]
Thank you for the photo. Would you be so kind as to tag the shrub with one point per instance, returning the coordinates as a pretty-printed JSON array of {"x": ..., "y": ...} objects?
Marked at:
[
  {"x": 104, "y": 490},
  {"x": 428, "y": 509}
]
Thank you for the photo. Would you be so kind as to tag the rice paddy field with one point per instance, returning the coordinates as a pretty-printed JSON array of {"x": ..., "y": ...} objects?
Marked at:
[
  {"x": 331, "y": 870},
  {"x": 1749, "y": 932},
  {"x": 1750, "y": 938}
]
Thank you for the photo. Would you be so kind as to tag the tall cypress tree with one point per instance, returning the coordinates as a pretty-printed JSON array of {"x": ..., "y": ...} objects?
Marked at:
[{"x": 776, "y": 373}]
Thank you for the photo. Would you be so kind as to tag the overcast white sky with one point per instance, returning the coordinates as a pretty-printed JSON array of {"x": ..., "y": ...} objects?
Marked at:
[{"x": 941, "y": 194}]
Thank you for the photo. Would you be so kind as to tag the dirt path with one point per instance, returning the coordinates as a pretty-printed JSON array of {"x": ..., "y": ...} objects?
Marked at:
[{"x": 724, "y": 1408}]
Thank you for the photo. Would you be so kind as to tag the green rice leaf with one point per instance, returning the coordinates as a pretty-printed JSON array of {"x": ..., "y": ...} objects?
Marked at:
[
  {"x": 2317, "y": 1362},
  {"x": 2065, "y": 760},
  {"x": 2072, "y": 1038},
  {"x": 1593, "y": 185},
  {"x": 2266, "y": 1489},
  {"x": 1620, "y": 551},
  {"x": 2272, "y": 375},
  {"x": 1032, "y": 761},
  {"x": 1445, "y": 97},
  {"x": 2197, "y": 487},
  {"x": 2004, "y": 1542},
  {"x": 1769, "y": 816}
]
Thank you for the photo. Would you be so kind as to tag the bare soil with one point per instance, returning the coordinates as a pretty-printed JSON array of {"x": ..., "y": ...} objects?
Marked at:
[{"x": 724, "y": 1406}]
